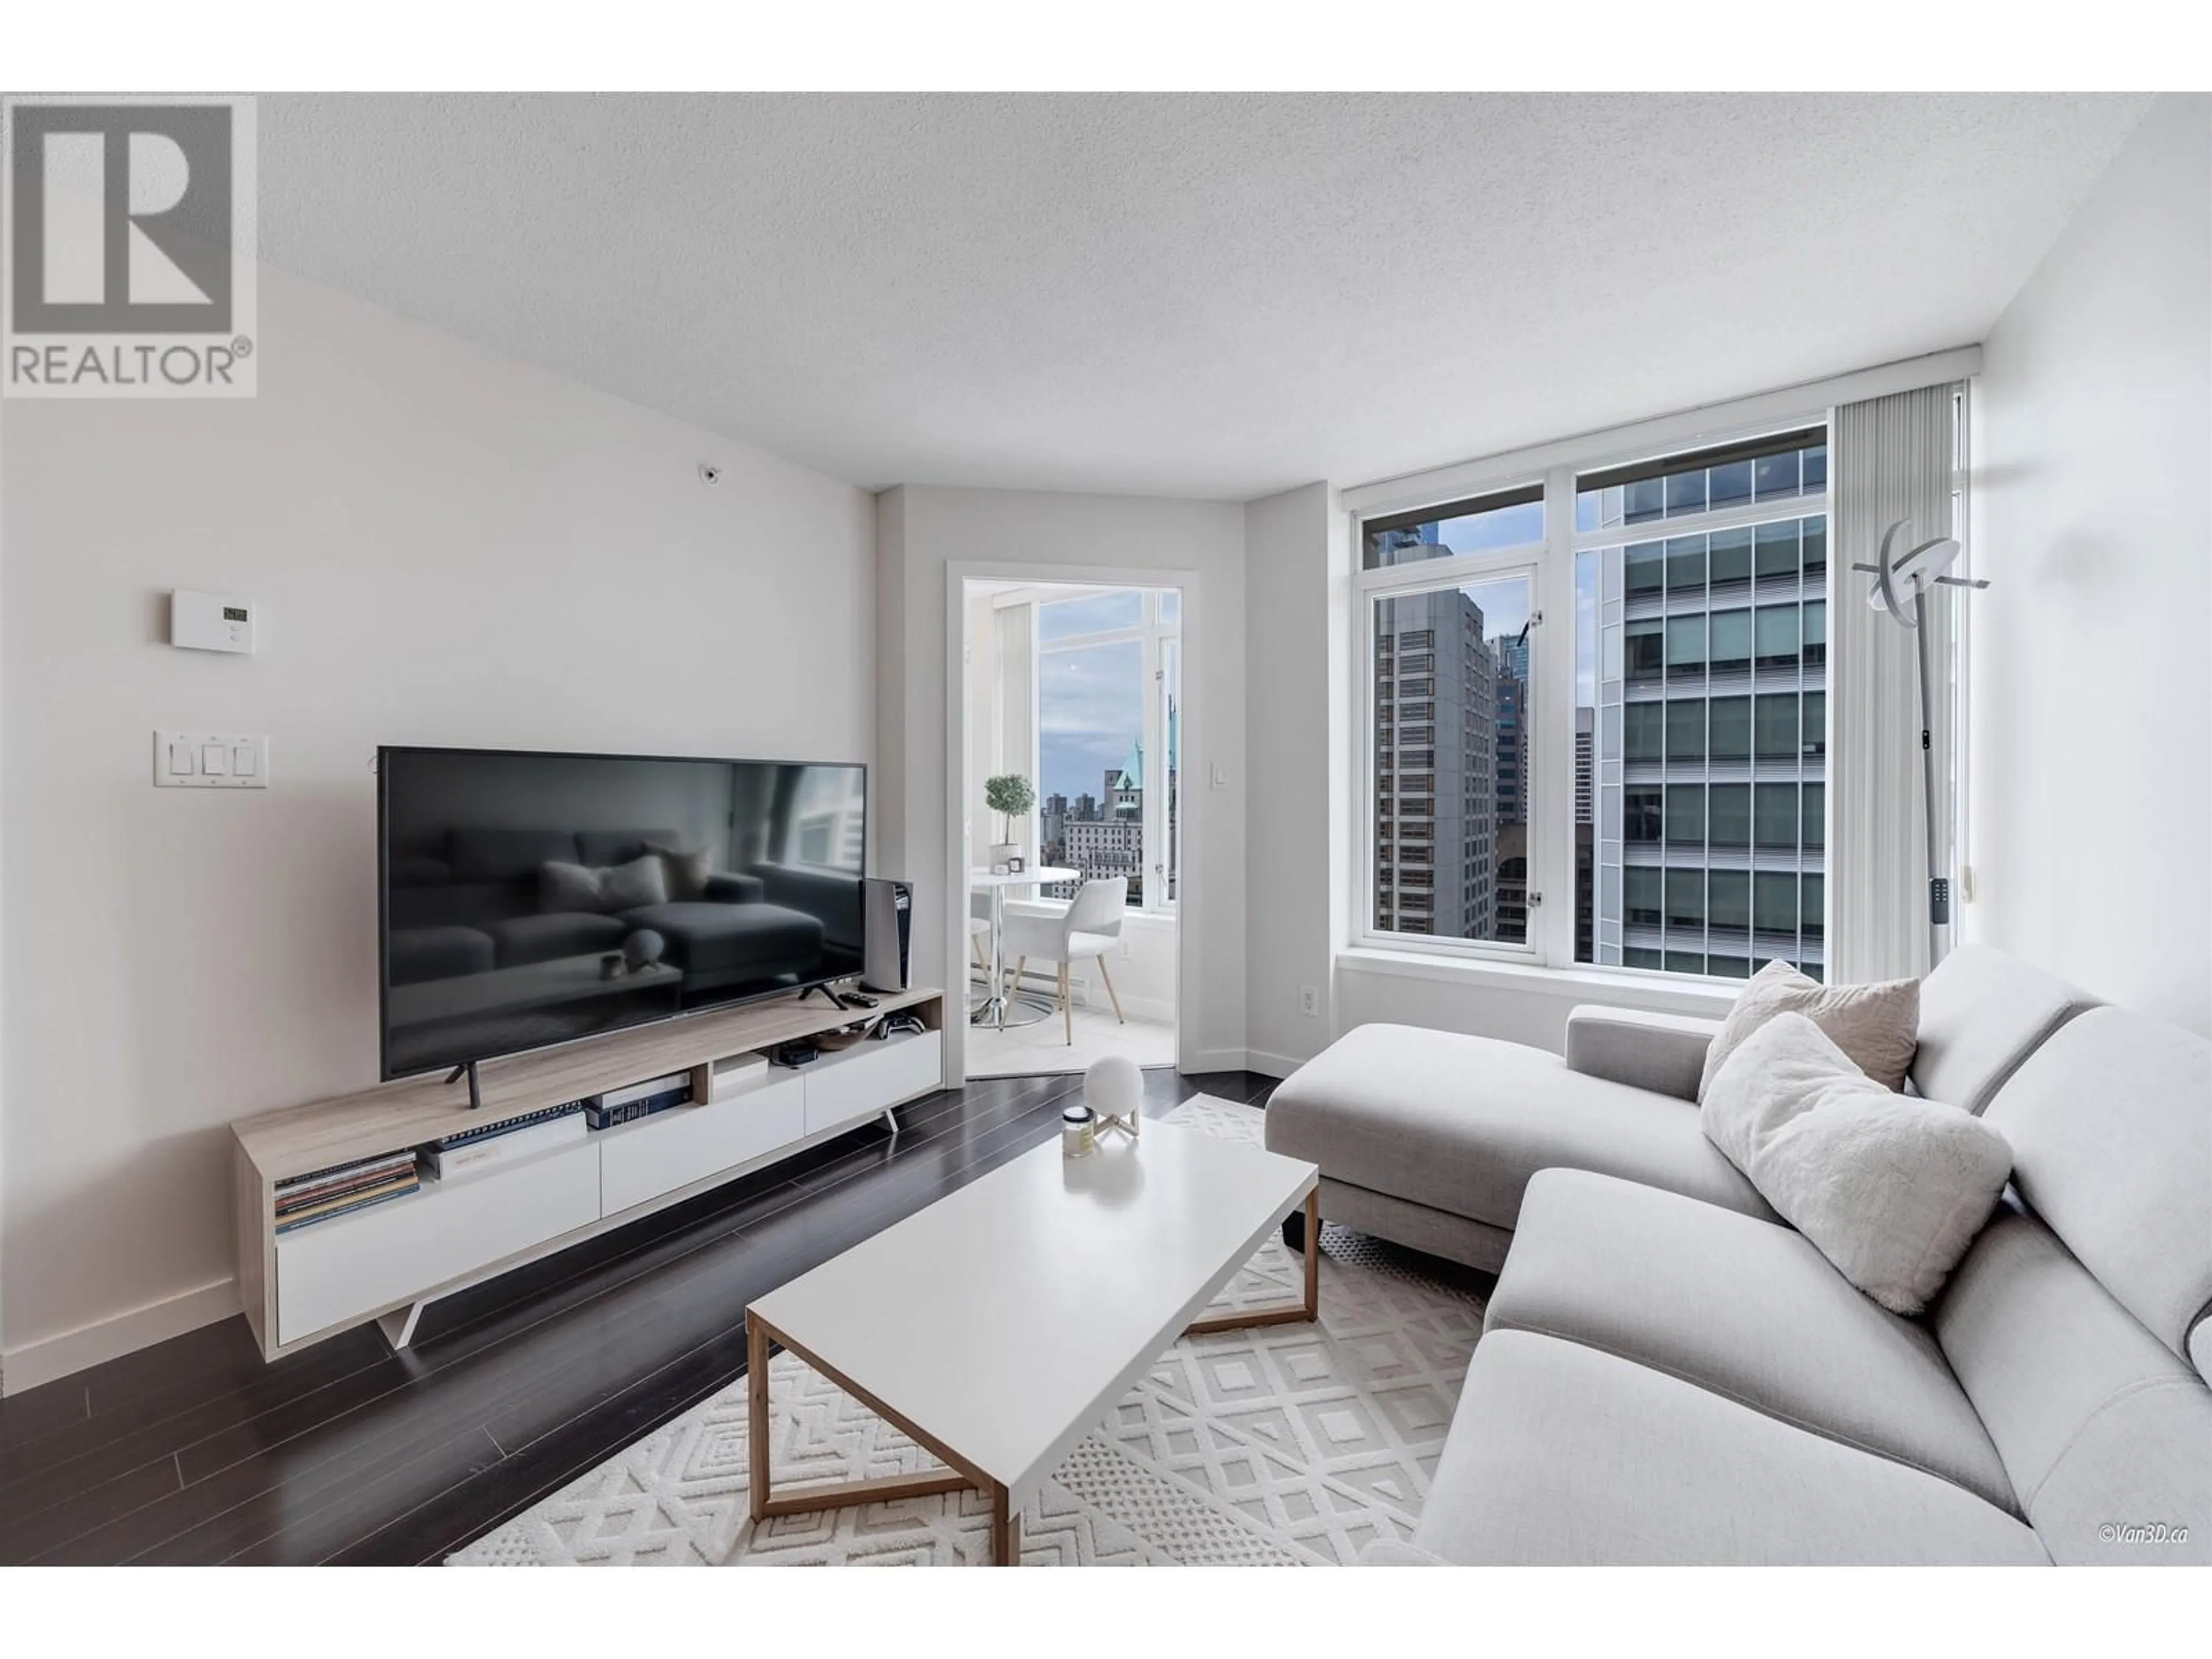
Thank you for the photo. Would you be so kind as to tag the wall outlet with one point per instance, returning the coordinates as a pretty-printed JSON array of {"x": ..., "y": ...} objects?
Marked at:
[{"x": 1310, "y": 1002}]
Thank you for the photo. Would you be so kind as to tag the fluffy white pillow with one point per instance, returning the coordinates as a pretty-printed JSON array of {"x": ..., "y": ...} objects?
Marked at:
[
  {"x": 1890, "y": 1188},
  {"x": 1877, "y": 1025},
  {"x": 611, "y": 887}
]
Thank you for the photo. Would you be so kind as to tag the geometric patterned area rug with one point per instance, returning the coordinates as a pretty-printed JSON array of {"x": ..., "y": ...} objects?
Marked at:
[{"x": 1286, "y": 1445}]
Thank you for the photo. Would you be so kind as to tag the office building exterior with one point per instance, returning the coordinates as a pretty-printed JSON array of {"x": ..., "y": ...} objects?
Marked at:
[
  {"x": 1436, "y": 779},
  {"x": 1712, "y": 714}
]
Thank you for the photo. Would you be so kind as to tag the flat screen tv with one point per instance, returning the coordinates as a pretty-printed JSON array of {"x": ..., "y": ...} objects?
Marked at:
[{"x": 527, "y": 899}]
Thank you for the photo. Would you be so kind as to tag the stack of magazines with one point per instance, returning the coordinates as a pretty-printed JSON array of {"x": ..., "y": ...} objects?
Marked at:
[{"x": 340, "y": 1190}]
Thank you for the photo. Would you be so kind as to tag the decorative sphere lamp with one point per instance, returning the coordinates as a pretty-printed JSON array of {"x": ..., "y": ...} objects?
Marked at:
[
  {"x": 642, "y": 949},
  {"x": 1114, "y": 1088}
]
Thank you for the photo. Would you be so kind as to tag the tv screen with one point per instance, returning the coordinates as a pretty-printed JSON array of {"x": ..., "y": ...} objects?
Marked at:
[{"x": 529, "y": 899}]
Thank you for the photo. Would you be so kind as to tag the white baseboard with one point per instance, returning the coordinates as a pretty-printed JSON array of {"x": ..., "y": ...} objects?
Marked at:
[
  {"x": 1268, "y": 1064},
  {"x": 1089, "y": 994},
  {"x": 1217, "y": 1059},
  {"x": 54, "y": 1357}
]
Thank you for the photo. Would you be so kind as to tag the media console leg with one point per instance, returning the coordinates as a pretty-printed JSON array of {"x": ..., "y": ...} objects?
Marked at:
[
  {"x": 890, "y": 1121},
  {"x": 399, "y": 1325}
]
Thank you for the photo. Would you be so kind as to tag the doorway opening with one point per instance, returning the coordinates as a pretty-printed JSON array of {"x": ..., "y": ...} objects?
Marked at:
[{"x": 1071, "y": 789}]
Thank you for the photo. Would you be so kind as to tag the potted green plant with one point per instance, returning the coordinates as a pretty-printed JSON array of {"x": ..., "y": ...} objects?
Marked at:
[{"x": 1010, "y": 797}]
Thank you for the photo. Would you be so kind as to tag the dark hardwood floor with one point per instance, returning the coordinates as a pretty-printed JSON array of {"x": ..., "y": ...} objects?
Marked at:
[{"x": 196, "y": 1451}]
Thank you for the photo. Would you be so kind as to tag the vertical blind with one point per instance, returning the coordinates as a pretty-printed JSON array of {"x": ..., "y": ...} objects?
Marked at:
[{"x": 1894, "y": 459}]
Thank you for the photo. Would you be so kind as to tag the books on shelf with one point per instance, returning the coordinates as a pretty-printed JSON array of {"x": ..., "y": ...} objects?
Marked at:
[
  {"x": 627, "y": 1105},
  {"x": 475, "y": 1151},
  {"x": 343, "y": 1188}
]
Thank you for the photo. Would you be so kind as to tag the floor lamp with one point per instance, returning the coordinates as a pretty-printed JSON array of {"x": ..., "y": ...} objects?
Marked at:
[{"x": 1900, "y": 592}]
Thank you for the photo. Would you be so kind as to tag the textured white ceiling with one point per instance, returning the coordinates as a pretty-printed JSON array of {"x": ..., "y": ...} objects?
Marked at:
[{"x": 1213, "y": 295}]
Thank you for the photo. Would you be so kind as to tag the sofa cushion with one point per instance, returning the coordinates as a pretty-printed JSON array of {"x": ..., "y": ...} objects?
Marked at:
[
  {"x": 1874, "y": 1024},
  {"x": 507, "y": 854},
  {"x": 2099, "y": 1423},
  {"x": 2111, "y": 1124},
  {"x": 1743, "y": 1308},
  {"x": 597, "y": 846},
  {"x": 1893, "y": 1189},
  {"x": 1561, "y": 1455},
  {"x": 524, "y": 940},
  {"x": 419, "y": 953},
  {"x": 1982, "y": 1012},
  {"x": 747, "y": 941},
  {"x": 1460, "y": 1123}
]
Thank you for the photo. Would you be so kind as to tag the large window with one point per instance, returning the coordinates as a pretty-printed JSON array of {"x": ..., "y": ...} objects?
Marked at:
[
  {"x": 1688, "y": 594},
  {"x": 1723, "y": 625},
  {"x": 1450, "y": 755},
  {"x": 1109, "y": 679}
]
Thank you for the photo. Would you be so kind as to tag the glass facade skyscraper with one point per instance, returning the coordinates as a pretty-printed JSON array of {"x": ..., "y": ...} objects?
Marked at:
[{"x": 1705, "y": 627}]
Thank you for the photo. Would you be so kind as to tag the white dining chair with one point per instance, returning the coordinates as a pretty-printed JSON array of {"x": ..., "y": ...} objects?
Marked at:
[{"x": 1089, "y": 929}]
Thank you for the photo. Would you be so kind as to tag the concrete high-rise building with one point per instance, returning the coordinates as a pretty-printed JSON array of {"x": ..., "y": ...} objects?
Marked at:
[
  {"x": 1102, "y": 847},
  {"x": 1435, "y": 783}
]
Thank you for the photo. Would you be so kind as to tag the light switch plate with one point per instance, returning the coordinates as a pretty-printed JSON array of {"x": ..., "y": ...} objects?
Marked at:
[{"x": 210, "y": 760}]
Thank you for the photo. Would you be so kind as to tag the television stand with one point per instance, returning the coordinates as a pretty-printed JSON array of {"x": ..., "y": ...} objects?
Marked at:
[
  {"x": 828, "y": 991},
  {"x": 476, "y": 1083},
  {"x": 382, "y": 1264}
]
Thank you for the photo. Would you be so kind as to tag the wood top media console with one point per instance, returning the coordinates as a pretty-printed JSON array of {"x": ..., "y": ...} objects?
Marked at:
[{"x": 386, "y": 1262}]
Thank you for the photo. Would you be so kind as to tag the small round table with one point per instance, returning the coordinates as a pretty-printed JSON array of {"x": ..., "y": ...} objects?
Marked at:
[{"x": 992, "y": 1009}]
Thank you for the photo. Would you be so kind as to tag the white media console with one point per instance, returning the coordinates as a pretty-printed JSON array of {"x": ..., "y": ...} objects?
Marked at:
[{"x": 386, "y": 1263}]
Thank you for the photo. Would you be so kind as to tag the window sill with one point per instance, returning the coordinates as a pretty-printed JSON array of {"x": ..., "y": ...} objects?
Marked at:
[{"x": 1707, "y": 1000}]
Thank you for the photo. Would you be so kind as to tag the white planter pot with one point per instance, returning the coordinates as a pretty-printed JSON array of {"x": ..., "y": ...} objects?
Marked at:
[{"x": 1004, "y": 852}]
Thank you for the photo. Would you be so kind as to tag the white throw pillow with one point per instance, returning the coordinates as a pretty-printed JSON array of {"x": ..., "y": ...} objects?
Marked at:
[
  {"x": 1890, "y": 1188},
  {"x": 572, "y": 887},
  {"x": 1877, "y": 1025}
]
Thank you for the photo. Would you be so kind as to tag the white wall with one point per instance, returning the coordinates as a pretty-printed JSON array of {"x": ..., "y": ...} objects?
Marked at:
[
  {"x": 924, "y": 529},
  {"x": 1296, "y": 601},
  {"x": 2092, "y": 723},
  {"x": 450, "y": 548}
]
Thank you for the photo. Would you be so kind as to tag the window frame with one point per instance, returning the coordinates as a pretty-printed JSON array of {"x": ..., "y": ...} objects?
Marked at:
[
  {"x": 1524, "y": 560},
  {"x": 1550, "y": 737},
  {"x": 1151, "y": 632}
]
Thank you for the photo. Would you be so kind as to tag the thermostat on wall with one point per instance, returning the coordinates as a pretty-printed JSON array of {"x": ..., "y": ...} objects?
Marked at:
[{"x": 209, "y": 621}]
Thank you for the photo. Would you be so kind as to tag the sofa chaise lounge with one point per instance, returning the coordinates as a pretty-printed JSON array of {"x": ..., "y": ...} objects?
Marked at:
[{"x": 1669, "y": 1374}]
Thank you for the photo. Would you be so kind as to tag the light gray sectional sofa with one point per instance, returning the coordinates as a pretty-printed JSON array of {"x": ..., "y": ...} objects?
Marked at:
[{"x": 1669, "y": 1374}]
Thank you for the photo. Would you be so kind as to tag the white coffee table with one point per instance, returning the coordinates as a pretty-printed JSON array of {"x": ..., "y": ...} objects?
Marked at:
[{"x": 999, "y": 1326}]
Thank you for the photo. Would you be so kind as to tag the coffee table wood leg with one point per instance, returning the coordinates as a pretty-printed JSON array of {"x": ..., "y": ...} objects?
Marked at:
[
  {"x": 757, "y": 1396},
  {"x": 1005, "y": 1528},
  {"x": 832, "y": 1494},
  {"x": 1306, "y": 1309},
  {"x": 1313, "y": 1254}
]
